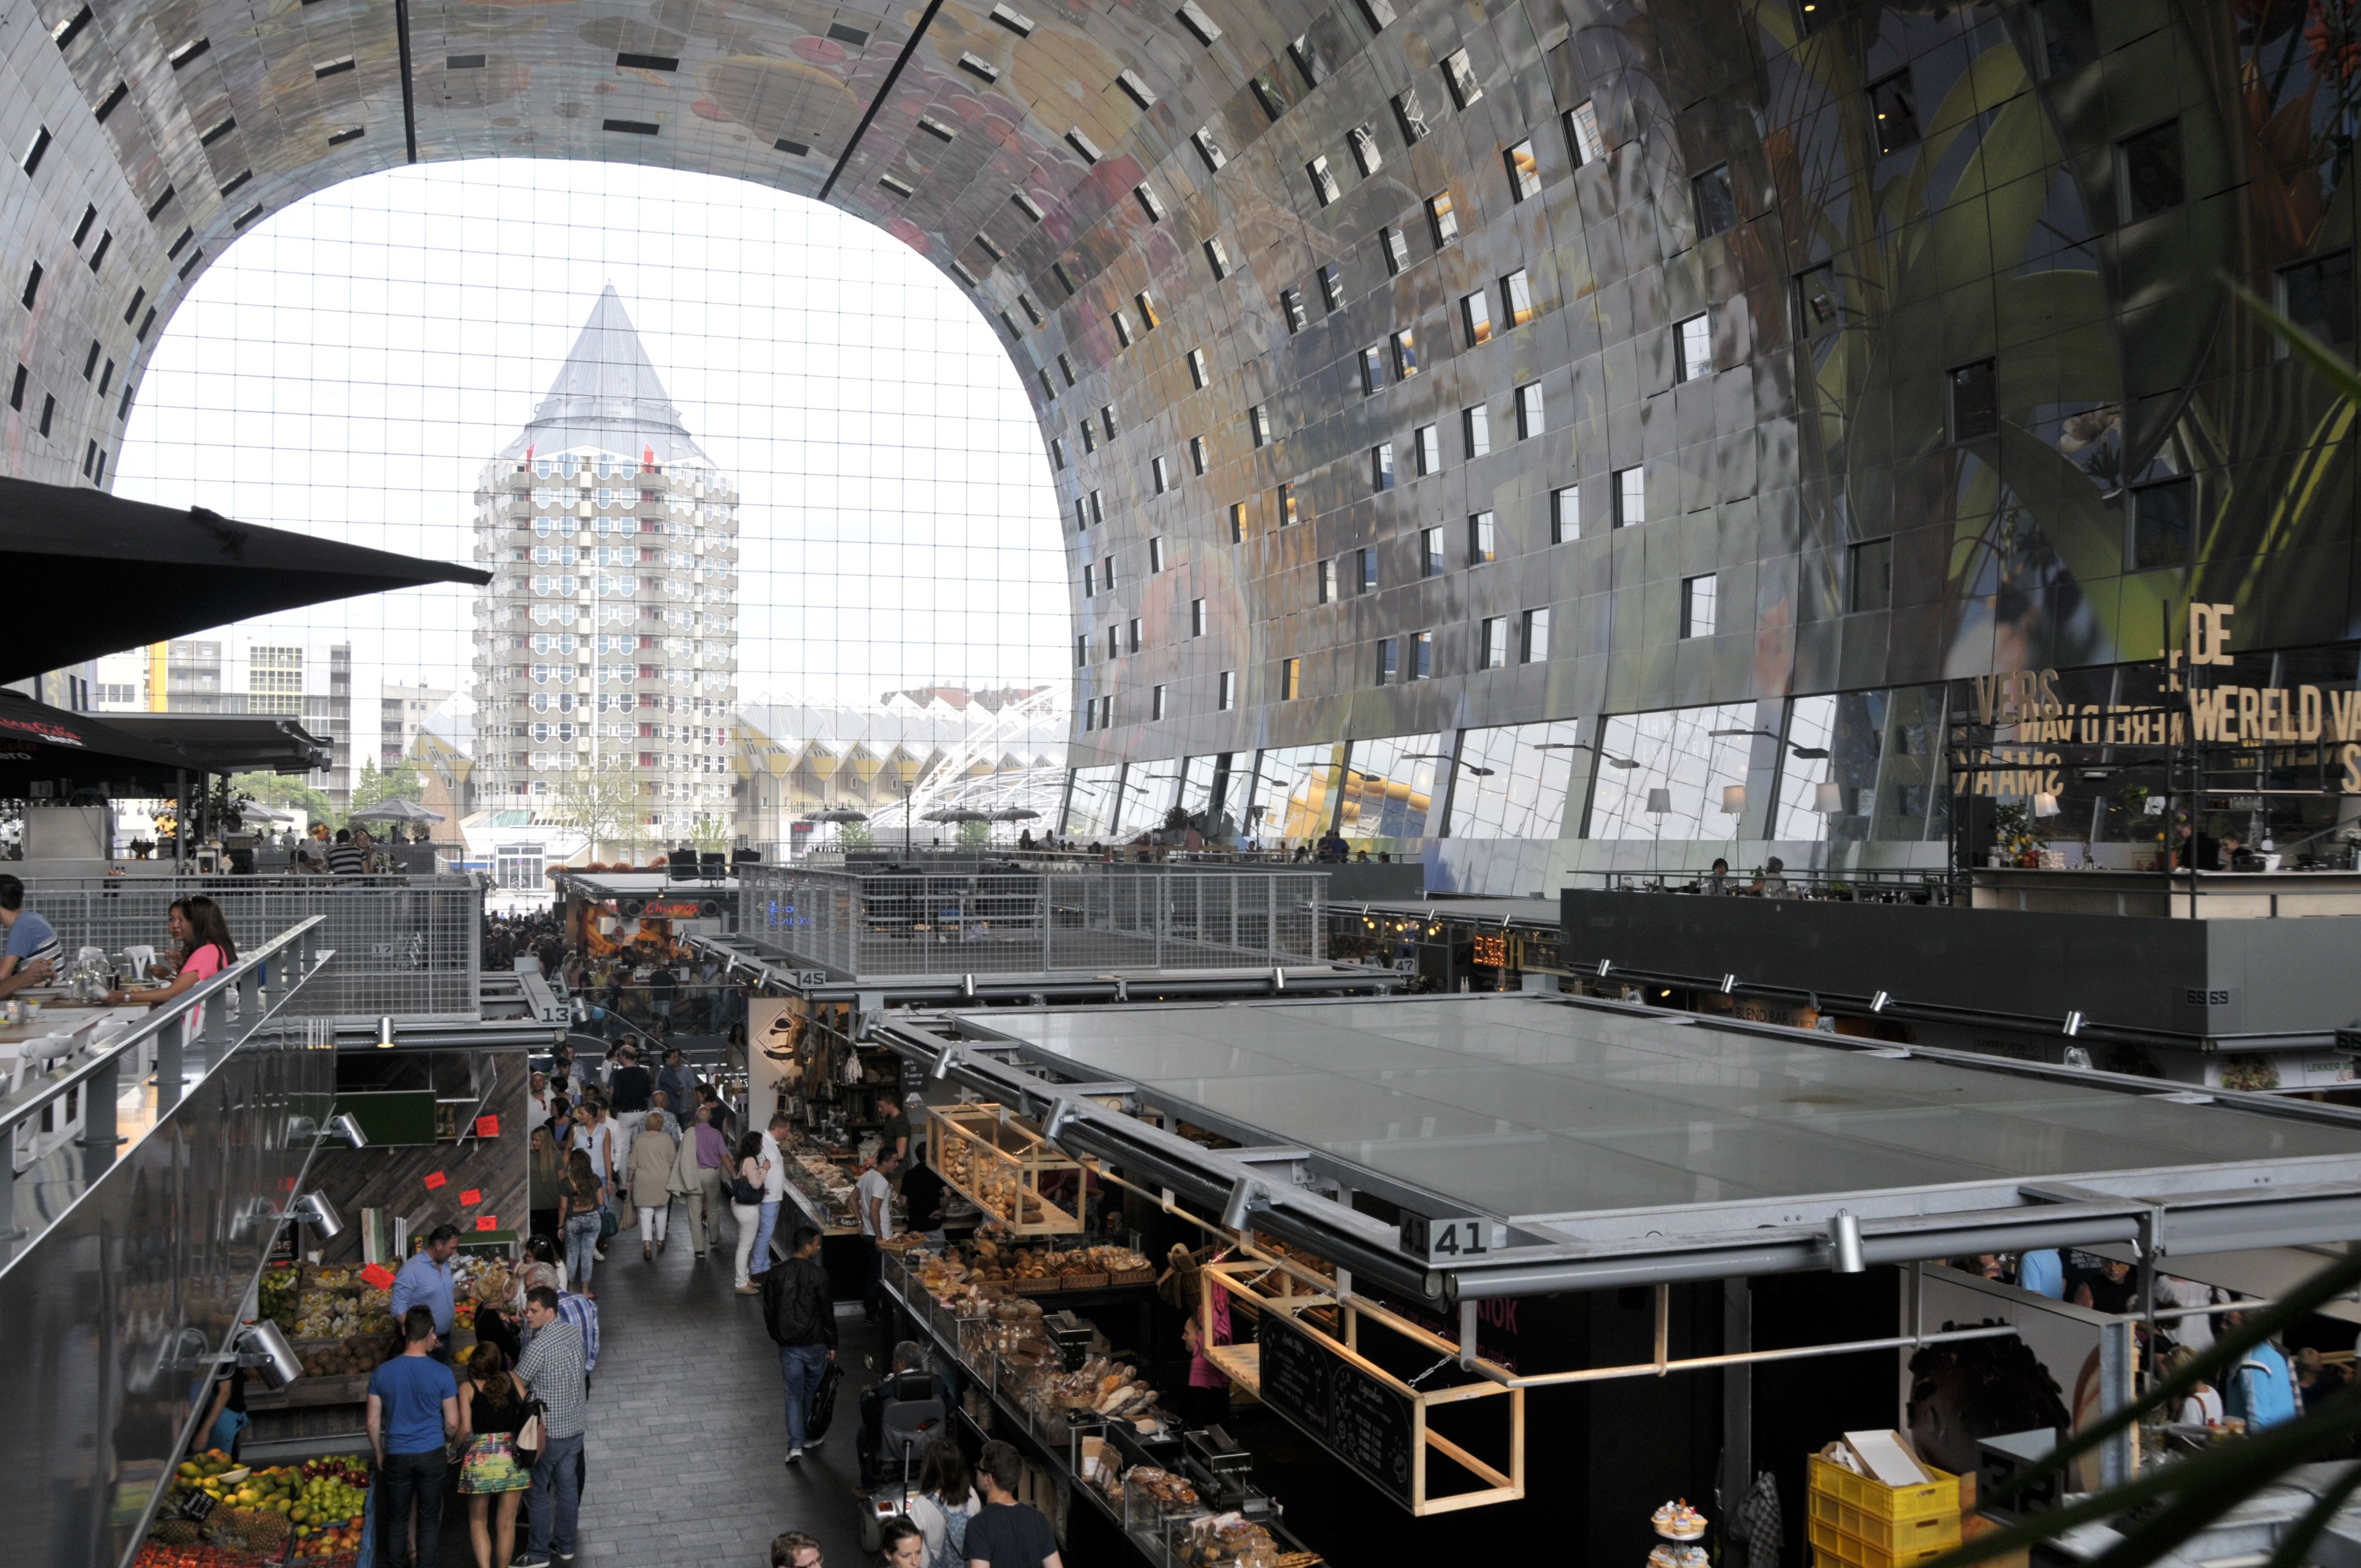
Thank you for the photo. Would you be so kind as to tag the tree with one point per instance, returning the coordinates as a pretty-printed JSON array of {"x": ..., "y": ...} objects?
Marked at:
[
  {"x": 974, "y": 833},
  {"x": 711, "y": 832},
  {"x": 286, "y": 793},
  {"x": 400, "y": 782},
  {"x": 601, "y": 804},
  {"x": 855, "y": 836}
]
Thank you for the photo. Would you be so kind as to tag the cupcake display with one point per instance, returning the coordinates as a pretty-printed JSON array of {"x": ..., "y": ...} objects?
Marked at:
[{"x": 1678, "y": 1521}]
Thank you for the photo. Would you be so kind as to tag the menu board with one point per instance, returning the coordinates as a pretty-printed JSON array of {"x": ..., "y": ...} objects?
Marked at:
[{"x": 1365, "y": 1422}]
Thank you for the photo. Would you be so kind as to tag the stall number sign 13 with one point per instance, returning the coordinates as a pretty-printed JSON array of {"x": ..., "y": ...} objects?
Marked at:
[{"x": 1445, "y": 1241}]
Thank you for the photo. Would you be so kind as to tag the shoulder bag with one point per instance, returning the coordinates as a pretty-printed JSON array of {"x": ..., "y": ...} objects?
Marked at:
[{"x": 529, "y": 1438}]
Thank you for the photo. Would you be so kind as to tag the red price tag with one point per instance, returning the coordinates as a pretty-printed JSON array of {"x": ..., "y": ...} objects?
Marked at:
[
  {"x": 487, "y": 1222},
  {"x": 379, "y": 1277},
  {"x": 487, "y": 1127},
  {"x": 436, "y": 1178},
  {"x": 473, "y": 1195}
]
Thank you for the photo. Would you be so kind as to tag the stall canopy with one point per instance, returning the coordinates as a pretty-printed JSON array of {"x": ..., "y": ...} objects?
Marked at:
[
  {"x": 95, "y": 573},
  {"x": 396, "y": 811},
  {"x": 1600, "y": 1144},
  {"x": 41, "y": 745},
  {"x": 228, "y": 742}
]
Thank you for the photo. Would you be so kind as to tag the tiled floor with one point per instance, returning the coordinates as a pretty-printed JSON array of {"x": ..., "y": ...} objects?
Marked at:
[{"x": 687, "y": 1429}]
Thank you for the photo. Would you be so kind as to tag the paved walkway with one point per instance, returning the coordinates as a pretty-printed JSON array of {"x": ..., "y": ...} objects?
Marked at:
[{"x": 687, "y": 1429}]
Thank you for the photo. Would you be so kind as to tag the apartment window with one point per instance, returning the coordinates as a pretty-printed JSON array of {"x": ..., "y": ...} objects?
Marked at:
[
  {"x": 1197, "y": 461},
  {"x": 2163, "y": 525},
  {"x": 1106, "y": 418},
  {"x": 1217, "y": 257},
  {"x": 1363, "y": 142},
  {"x": 1098, "y": 513},
  {"x": 1816, "y": 300},
  {"x": 1475, "y": 315},
  {"x": 1200, "y": 371},
  {"x": 1405, "y": 346},
  {"x": 1396, "y": 247},
  {"x": 1150, "y": 202},
  {"x": 1267, "y": 93},
  {"x": 1529, "y": 411},
  {"x": 1696, "y": 606},
  {"x": 1208, "y": 149},
  {"x": 1430, "y": 552},
  {"x": 2317, "y": 295},
  {"x": 1122, "y": 328},
  {"x": 1428, "y": 443},
  {"x": 1565, "y": 514},
  {"x": 1717, "y": 201},
  {"x": 1422, "y": 656},
  {"x": 1631, "y": 497},
  {"x": 1115, "y": 643},
  {"x": 1582, "y": 136},
  {"x": 1460, "y": 77},
  {"x": 1259, "y": 423},
  {"x": 1310, "y": 63},
  {"x": 1156, "y": 704},
  {"x": 1373, "y": 370},
  {"x": 1291, "y": 310},
  {"x": 1378, "y": 13},
  {"x": 1058, "y": 452},
  {"x": 1192, "y": 17},
  {"x": 1442, "y": 219},
  {"x": 1331, "y": 287},
  {"x": 1066, "y": 369},
  {"x": 1196, "y": 618},
  {"x": 2149, "y": 172},
  {"x": 1410, "y": 117},
  {"x": 1291, "y": 674},
  {"x": 1388, "y": 661},
  {"x": 1893, "y": 109},
  {"x": 1048, "y": 388},
  {"x": 1131, "y": 633},
  {"x": 1476, "y": 424},
  {"x": 1237, "y": 522},
  {"x": 1483, "y": 539},
  {"x": 1107, "y": 713},
  {"x": 1081, "y": 650},
  {"x": 1381, "y": 466},
  {"x": 1229, "y": 696},
  {"x": 1324, "y": 588},
  {"x": 1106, "y": 571},
  {"x": 1364, "y": 570},
  {"x": 1082, "y": 515},
  {"x": 1088, "y": 577},
  {"x": 1517, "y": 299},
  {"x": 1533, "y": 646},
  {"x": 1149, "y": 320},
  {"x": 1162, "y": 469},
  {"x": 1524, "y": 171},
  {"x": 1492, "y": 643},
  {"x": 1975, "y": 401},
  {"x": 1871, "y": 573},
  {"x": 2066, "y": 35},
  {"x": 1324, "y": 184},
  {"x": 1693, "y": 349},
  {"x": 1287, "y": 505}
]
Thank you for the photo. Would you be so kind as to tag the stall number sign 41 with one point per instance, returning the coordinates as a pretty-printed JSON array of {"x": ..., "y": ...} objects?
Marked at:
[{"x": 1445, "y": 1240}]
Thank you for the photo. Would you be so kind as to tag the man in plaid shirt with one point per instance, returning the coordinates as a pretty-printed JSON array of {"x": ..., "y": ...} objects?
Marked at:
[{"x": 556, "y": 1367}]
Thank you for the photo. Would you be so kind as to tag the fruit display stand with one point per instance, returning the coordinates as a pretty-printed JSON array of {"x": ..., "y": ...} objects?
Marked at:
[
  {"x": 1005, "y": 1168},
  {"x": 218, "y": 1514}
]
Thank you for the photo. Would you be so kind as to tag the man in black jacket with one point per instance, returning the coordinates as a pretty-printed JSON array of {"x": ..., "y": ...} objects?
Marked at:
[{"x": 801, "y": 1315}]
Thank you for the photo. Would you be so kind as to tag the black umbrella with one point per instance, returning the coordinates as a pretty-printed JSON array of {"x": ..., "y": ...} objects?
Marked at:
[{"x": 95, "y": 574}]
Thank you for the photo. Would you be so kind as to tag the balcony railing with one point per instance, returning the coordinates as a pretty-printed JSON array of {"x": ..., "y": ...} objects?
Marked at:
[{"x": 952, "y": 919}]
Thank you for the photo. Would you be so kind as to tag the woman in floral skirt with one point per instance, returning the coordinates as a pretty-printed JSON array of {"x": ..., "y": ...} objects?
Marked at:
[{"x": 492, "y": 1406}]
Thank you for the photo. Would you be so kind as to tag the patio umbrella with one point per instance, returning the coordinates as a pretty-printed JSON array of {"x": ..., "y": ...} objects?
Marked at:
[
  {"x": 1015, "y": 813},
  {"x": 396, "y": 811},
  {"x": 151, "y": 573},
  {"x": 955, "y": 814},
  {"x": 837, "y": 813}
]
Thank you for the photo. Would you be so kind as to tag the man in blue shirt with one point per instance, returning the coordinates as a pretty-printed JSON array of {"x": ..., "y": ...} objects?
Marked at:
[
  {"x": 2042, "y": 1273},
  {"x": 413, "y": 1410},
  {"x": 30, "y": 955},
  {"x": 425, "y": 1281}
]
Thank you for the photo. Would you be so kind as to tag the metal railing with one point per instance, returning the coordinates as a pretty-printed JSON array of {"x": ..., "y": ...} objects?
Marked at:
[
  {"x": 1890, "y": 885},
  {"x": 1032, "y": 921},
  {"x": 409, "y": 945}
]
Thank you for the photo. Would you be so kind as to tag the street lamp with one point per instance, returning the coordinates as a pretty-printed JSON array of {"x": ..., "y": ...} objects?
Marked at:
[
  {"x": 1808, "y": 753},
  {"x": 1610, "y": 759}
]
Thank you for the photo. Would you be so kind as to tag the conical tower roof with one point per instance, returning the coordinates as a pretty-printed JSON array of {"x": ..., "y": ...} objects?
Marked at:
[{"x": 608, "y": 395}]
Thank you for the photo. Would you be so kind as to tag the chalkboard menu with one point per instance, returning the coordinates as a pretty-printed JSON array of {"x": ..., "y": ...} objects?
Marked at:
[{"x": 1361, "y": 1420}]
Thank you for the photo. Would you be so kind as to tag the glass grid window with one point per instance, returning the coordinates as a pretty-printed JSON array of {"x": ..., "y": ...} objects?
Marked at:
[
  {"x": 1294, "y": 794},
  {"x": 1565, "y": 514},
  {"x": 1512, "y": 781},
  {"x": 1090, "y": 801},
  {"x": 1694, "y": 349},
  {"x": 1673, "y": 788},
  {"x": 1697, "y": 595},
  {"x": 1148, "y": 791},
  {"x": 1631, "y": 497},
  {"x": 1871, "y": 766},
  {"x": 1388, "y": 795}
]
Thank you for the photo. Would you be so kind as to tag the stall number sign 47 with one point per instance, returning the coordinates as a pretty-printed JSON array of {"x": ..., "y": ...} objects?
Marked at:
[{"x": 1445, "y": 1240}]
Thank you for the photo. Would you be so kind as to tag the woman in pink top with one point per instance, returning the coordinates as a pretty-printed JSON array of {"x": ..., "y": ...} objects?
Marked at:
[{"x": 210, "y": 948}]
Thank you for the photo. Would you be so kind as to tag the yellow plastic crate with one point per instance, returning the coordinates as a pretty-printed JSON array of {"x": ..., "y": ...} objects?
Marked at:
[
  {"x": 1832, "y": 1545},
  {"x": 1941, "y": 1496}
]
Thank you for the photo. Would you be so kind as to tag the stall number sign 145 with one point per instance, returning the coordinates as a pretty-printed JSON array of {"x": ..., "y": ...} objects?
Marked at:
[{"x": 1445, "y": 1240}]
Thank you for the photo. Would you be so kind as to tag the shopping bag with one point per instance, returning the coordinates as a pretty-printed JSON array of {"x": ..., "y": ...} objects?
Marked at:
[{"x": 823, "y": 1403}]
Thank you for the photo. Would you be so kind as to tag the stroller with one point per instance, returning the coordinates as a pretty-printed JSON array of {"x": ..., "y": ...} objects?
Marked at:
[{"x": 911, "y": 1418}]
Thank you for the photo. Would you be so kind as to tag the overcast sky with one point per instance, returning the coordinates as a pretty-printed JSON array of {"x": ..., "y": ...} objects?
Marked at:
[{"x": 352, "y": 361}]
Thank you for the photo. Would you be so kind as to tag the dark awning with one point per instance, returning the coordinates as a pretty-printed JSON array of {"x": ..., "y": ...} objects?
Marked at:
[
  {"x": 228, "y": 742},
  {"x": 92, "y": 574},
  {"x": 73, "y": 751}
]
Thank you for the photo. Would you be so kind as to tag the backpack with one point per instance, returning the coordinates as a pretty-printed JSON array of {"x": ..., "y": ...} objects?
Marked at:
[{"x": 953, "y": 1553}]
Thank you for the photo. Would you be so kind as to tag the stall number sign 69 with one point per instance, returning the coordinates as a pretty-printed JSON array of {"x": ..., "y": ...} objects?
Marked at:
[{"x": 1445, "y": 1241}]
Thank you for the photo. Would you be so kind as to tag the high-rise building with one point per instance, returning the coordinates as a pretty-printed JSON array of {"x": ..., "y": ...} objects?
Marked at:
[
  {"x": 403, "y": 713},
  {"x": 236, "y": 671},
  {"x": 607, "y": 645}
]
